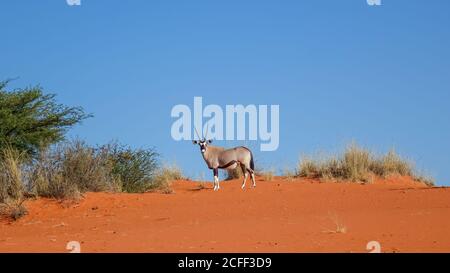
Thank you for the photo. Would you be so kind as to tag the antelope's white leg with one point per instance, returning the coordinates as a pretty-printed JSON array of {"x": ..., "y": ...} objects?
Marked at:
[
  {"x": 245, "y": 180},
  {"x": 216, "y": 183},
  {"x": 253, "y": 180}
]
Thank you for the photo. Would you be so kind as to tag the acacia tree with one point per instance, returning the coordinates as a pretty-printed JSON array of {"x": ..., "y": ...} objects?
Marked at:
[{"x": 30, "y": 119}]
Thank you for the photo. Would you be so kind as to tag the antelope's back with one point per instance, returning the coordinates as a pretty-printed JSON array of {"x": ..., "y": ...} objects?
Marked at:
[{"x": 242, "y": 154}]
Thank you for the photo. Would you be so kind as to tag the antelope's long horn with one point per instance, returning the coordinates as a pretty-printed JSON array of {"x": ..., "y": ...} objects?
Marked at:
[
  {"x": 197, "y": 133},
  {"x": 207, "y": 129}
]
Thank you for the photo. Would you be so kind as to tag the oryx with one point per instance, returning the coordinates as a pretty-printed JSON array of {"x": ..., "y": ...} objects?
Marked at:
[{"x": 219, "y": 158}]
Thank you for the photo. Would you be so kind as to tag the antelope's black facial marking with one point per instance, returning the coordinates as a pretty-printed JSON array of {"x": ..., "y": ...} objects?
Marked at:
[{"x": 203, "y": 144}]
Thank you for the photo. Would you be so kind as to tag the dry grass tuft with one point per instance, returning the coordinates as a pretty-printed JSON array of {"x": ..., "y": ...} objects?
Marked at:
[
  {"x": 11, "y": 184},
  {"x": 268, "y": 175},
  {"x": 201, "y": 186},
  {"x": 13, "y": 210},
  {"x": 357, "y": 165},
  {"x": 234, "y": 174},
  {"x": 427, "y": 180},
  {"x": 289, "y": 174},
  {"x": 339, "y": 227},
  {"x": 162, "y": 182}
]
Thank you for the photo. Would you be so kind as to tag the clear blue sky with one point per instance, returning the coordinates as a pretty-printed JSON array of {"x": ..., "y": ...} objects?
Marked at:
[{"x": 340, "y": 70}]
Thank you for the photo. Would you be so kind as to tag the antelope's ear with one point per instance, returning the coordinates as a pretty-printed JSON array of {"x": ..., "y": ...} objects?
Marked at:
[
  {"x": 195, "y": 142},
  {"x": 210, "y": 141}
]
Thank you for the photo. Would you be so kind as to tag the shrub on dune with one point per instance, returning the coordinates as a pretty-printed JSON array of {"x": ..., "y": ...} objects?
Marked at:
[
  {"x": 72, "y": 168},
  {"x": 135, "y": 168}
]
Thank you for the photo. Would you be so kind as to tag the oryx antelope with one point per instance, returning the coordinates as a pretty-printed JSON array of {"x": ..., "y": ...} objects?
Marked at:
[{"x": 219, "y": 158}]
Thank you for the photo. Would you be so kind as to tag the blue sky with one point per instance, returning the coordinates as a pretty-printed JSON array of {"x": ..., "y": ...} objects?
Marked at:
[{"x": 340, "y": 70}]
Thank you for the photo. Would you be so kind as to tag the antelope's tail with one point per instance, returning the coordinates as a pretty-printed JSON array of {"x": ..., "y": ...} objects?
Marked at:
[
  {"x": 252, "y": 159},
  {"x": 252, "y": 162}
]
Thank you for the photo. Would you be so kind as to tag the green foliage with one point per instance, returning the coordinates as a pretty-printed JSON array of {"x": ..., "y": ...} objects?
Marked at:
[
  {"x": 135, "y": 168},
  {"x": 30, "y": 119}
]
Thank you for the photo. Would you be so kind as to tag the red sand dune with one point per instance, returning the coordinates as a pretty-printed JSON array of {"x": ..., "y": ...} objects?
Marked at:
[{"x": 277, "y": 216}]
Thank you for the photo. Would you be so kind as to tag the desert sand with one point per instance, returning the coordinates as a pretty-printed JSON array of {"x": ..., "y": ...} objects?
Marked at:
[{"x": 281, "y": 215}]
